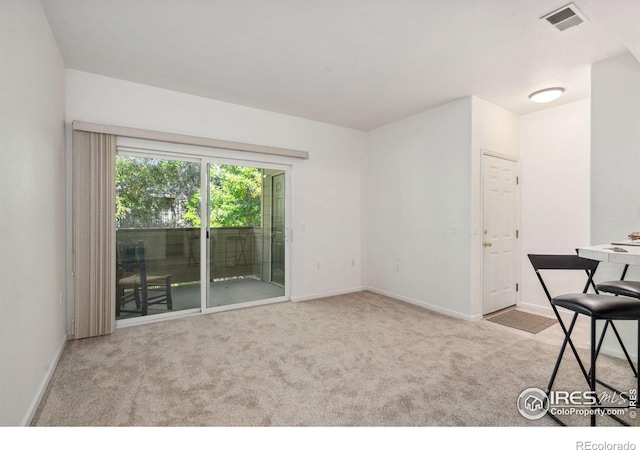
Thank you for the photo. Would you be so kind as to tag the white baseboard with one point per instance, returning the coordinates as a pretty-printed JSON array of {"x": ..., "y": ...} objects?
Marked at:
[
  {"x": 33, "y": 407},
  {"x": 425, "y": 305},
  {"x": 539, "y": 310},
  {"x": 617, "y": 352},
  {"x": 302, "y": 298},
  {"x": 548, "y": 312}
]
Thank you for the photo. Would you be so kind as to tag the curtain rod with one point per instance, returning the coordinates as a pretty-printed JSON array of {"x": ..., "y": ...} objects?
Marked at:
[{"x": 186, "y": 139}]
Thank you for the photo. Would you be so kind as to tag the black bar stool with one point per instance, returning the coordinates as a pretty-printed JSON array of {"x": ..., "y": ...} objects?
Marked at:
[{"x": 595, "y": 306}]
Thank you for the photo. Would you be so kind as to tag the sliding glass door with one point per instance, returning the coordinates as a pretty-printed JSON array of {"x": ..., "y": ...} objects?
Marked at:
[
  {"x": 181, "y": 220},
  {"x": 158, "y": 236},
  {"x": 242, "y": 232}
]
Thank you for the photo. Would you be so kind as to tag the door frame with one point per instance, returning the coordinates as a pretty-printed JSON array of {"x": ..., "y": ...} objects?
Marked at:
[
  {"x": 488, "y": 153},
  {"x": 204, "y": 241},
  {"x": 205, "y": 156},
  {"x": 146, "y": 153},
  {"x": 271, "y": 240}
]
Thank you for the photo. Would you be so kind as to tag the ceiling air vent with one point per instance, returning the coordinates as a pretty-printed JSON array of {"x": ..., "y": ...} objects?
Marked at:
[{"x": 566, "y": 17}]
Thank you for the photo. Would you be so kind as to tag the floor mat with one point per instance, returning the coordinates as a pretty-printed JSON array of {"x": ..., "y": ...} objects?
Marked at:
[{"x": 531, "y": 323}]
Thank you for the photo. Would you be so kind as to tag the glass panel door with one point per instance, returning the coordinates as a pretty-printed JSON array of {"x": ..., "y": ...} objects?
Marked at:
[
  {"x": 158, "y": 236},
  {"x": 244, "y": 222},
  {"x": 277, "y": 229}
]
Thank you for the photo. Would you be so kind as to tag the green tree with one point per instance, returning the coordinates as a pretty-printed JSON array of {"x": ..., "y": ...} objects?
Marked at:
[
  {"x": 156, "y": 192},
  {"x": 153, "y": 192},
  {"x": 235, "y": 196},
  {"x": 193, "y": 210}
]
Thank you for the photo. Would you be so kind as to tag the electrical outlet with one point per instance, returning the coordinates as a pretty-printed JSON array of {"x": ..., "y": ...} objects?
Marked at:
[
  {"x": 318, "y": 266},
  {"x": 353, "y": 262},
  {"x": 397, "y": 267}
]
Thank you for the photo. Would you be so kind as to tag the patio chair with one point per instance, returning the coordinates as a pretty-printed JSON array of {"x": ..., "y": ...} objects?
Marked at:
[{"x": 135, "y": 285}]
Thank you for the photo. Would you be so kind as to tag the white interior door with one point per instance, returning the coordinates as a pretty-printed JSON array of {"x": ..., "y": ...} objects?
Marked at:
[{"x": 499, "y": 269}]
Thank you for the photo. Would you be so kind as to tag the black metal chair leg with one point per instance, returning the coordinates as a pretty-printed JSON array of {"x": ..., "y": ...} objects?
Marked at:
[
  {"x": 624, "y": 349},
  {"x": 567, "y": 334},
  {"x": 567, "y": 340},
  {"x": 592, "y": 381},
  {"x": 622, "y": 346}
]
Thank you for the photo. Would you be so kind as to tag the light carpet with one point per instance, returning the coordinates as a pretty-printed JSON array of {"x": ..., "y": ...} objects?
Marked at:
[{"x": 354, "y": 360}]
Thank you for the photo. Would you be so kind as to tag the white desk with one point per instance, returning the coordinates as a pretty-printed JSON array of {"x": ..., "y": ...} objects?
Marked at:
[{"x": 604, "y": 254}]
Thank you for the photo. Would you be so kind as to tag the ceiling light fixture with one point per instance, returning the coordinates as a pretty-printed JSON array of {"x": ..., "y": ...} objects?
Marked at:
[{"x": 546, "y": 95}]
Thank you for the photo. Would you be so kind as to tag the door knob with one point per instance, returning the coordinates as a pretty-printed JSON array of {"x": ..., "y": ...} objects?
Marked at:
[{"x": 487, "y": 244}]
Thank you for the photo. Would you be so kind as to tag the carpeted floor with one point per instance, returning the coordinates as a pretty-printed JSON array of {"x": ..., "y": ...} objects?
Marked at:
[{"x": 354, "y": 360}]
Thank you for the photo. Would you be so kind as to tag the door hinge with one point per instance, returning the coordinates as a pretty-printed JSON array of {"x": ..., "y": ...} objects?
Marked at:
[
  {"x": 517, "y": 287},
  {"x": 517, "y": 234},
  {"x": 517, "y": 180}
]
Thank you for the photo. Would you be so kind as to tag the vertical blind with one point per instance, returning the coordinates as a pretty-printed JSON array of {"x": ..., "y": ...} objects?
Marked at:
[{"x": 94, "y": 233}]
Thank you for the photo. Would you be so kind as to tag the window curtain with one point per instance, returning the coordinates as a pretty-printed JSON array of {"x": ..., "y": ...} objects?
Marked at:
[{"x": 94, "y": 233}]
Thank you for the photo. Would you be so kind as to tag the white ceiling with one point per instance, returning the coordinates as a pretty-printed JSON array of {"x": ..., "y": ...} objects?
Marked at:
[{"x": 356, "y": 63}]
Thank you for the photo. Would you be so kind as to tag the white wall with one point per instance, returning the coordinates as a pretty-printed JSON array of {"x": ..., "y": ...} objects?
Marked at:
[
  {"x": 495, "y": 130},
  {"x": 416, "y": 188},
  {"x": 615, "y": 150},
  {"x": 554, "y": 190},
  {"x": 32, "y": 326},
  {"x": 615, "y": 158},
  {"x": 326, "y": 187}
]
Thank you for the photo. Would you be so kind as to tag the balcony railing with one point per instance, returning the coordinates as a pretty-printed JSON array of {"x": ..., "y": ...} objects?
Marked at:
[{"x": 234, "y": 251}]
